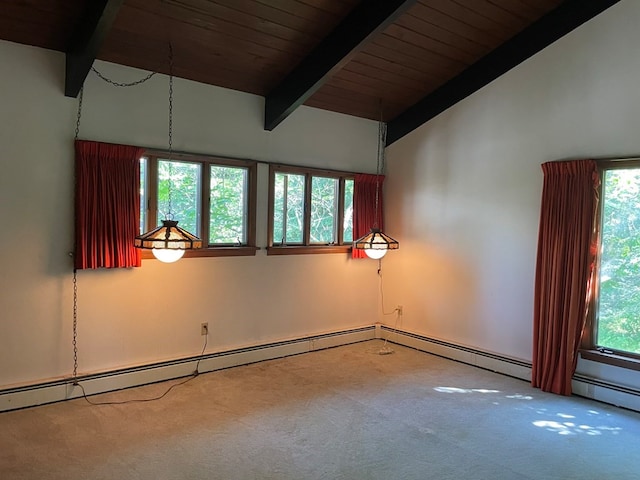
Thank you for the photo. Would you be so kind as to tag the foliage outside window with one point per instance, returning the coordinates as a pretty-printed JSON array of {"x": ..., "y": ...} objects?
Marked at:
[
  {"x": 179, "y": 187},
  {"x": 310, "y": 211},
  {"x": 617, "y": 325},
  {"x": 210, "y": 197}
]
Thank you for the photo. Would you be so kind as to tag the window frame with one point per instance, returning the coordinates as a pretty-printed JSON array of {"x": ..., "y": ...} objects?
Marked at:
[
  {"x": 151, "y": 196},
  {"x": 307, "y": 247},
  {"x": 589, "y": 348}
]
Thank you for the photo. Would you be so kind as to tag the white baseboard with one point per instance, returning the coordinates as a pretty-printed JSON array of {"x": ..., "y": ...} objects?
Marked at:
[
  {"x": 64, "y": 389},
  {"x": 489, "y": 361},
  {"x": 582, "y": 385},
  {"x": 606, "y": 392}
]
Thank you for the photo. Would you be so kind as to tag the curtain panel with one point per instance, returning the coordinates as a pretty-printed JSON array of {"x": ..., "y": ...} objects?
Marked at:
[
  {"x": 107, "y": 205},
  {"x": 565, "y": 262},
  {"x": 364, "y": 207}
]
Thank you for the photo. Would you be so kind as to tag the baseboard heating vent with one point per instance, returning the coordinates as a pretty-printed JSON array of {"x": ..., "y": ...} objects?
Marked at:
[
  {"x": 512, "y": 367},
  {"x": 608, "y": 392},
  {"x": 582, "y": 385},
  {"x": 41, "y": 393}
]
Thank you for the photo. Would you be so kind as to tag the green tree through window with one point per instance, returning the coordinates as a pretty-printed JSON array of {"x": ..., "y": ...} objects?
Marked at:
[
  {"x": 310, "y": 208},
  {"x": 211, "y": 197},
  {"x": 182, "y": 181},
  {"x": 618, "y": 315},
  {"x": 288, "y": 214},
  {"x": 324, "y": 210},
  {"x": 228, "y": 205}
]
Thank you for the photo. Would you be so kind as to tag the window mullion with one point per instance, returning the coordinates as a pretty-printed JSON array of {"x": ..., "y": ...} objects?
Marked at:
[
  {"x": 339, "y": 224},
  {"x": 285, "y": 201},
  {"x": 271, "y": 207},
  {"x": 205, "y": 203},
  {"x": 306, "y": 236},
  {"x": 152, "y": 186},
  {"x": 251, "y": 200}
]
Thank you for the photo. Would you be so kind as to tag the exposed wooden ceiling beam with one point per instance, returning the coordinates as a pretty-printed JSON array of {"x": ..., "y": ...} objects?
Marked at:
[
  {"x": 347, "y": 39},
  {"x": 86, "y": 41},
  {"x": 554, "y": 25}
]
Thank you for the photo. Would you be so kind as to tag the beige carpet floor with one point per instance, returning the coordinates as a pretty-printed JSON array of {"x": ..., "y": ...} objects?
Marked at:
[{"x": 342, "y": 413}]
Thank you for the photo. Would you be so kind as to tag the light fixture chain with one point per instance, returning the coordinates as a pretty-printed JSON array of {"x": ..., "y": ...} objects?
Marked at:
[
  {"x": 79, "y": 115},
  {"x": 382, "y": 134},
  {"x": 75, "y": 325},
  {"x": 73, "y": 254},
  {"x": 170, "y": 213},
  {"x": 170, "y": 103},
  {"x": 175, "y": 240},
  {"x": 119, "y": 84}
]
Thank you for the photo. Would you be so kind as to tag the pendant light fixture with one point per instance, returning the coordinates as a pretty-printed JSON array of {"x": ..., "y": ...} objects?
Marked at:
[
  {"x": 168, "y": 242},
  {"x": 375, "y": 243}
]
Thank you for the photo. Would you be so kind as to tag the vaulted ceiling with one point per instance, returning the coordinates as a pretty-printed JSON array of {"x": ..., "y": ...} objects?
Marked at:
[{"x": 404, "y": 61}]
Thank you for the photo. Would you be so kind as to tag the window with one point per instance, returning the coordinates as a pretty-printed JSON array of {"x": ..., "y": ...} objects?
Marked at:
[
  {"x": 211, "y": 197},
  {"x": 310, "y": 211},
  {"x": 617, "y": 313}
]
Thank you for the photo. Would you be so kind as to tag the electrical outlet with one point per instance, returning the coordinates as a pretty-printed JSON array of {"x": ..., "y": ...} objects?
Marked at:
[
  {"x": 400, "y": 310},
  {"x": 204, "y": 328}
]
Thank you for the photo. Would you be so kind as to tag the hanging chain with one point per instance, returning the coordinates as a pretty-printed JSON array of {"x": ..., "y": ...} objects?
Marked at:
[
  {"x": 118, "y": 84},
  {"x": 170, "y": 102},
  {"x": 79, "y": 113},
  {"x": 382, "y": 140},
  {"x": 73, "y": 254},
  {"x": 75, "y": 325},
  {"x": 169, "y": 214}
]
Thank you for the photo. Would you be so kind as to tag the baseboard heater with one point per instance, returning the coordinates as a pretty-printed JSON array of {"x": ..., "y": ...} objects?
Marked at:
[
  {"x": 583, "y": 386},
  {"x": 63, "y": 389},
  {"x": 608, "y": 392},
  {"x": 512, "y": 367}
]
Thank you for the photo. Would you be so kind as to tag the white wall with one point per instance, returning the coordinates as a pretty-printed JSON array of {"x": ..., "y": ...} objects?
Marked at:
[
  {"x": 463, "y": 191},
  {"x": 137, "y": 316}
]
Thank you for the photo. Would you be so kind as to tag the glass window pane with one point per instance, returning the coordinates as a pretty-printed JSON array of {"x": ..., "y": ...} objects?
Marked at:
[
  {"x": 288, "y": 208},
  {"x": 347, "y": 232},
  {"x": 179, "y": 193},
  {"x": 143, "y": 195},
  {"x": 619, "y": 299},
  {"x": 278, "y": 209},
  {"x": 228, "y": 205},
  {"x": 324, "y": 206}
]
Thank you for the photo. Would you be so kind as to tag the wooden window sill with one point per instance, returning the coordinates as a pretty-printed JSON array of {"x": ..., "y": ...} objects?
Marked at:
[
  {"x": 611, "y": 359},
  {"x": 312, "y": 249},
  {"x": 211, "y": 252}
]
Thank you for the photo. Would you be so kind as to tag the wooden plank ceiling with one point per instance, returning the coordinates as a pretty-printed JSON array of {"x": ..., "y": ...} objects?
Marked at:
[{"x": 402, "y": 61}]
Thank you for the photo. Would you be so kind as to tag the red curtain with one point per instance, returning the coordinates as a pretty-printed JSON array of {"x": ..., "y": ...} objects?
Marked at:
[
  {"x": 107, "y": 203},
  {"x": 564, "y": 264},
  {"x": 364, "y": 207}
]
